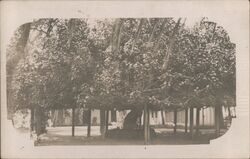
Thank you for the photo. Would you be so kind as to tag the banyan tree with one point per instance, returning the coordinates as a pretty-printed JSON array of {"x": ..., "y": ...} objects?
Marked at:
[{"x": 136, "y": 64}]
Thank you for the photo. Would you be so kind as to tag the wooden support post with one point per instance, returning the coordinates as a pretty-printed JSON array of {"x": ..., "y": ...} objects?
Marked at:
[
  {"x": 197, "y": 120},
  {"x": 175, "y": 120},
  {"x": 186, "y": 120},
  {"x": 146, "y": 125},
  {"x": 162, "y": 117},
  {"x": 89, "y": 123},
  {"x": 73, "y": 121},
  {"x": 191, "y": 124}
]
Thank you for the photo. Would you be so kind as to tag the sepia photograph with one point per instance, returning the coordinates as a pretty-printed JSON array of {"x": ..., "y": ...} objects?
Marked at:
[{"x": 119, "y": 81}]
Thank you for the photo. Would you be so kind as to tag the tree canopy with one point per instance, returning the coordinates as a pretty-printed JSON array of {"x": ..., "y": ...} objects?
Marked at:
[{"x": 124, "y": 63}]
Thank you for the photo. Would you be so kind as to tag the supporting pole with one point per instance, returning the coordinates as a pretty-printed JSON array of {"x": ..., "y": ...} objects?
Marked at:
[
  {"x": 175, "y": 120},
  {"x": 186, "y": 120},
  {"x": 162, "y": 117},
  {"x": 197, "y": 120},
  {"x": 217, "y": 120},
  {"x": 107, "y": 121},
  {"x": 203, "y": 117},
  {"x": 38, "y": 121},
  {"x": 32, "y": 119},
  {"x": 102, "y": 122},
  {"x": 32, "y": 122},
  {"x": 89, "y": 123},
  {"x": 191, "y": 125},
  {"x": 229, "y": 113},
  {"x": 146, "y": 125},
  {"x": 73, "y": 121}
]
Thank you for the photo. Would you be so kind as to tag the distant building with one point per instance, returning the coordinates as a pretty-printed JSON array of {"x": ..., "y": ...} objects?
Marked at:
[{"x": 206, "y": 117}]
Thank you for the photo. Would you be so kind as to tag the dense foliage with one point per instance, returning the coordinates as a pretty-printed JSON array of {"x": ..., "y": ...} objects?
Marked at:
[{"x": 124, "y": 63}]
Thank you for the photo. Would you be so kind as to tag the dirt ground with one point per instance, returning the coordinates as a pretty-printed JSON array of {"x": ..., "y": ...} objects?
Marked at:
[{"x": 164, "y": 136}]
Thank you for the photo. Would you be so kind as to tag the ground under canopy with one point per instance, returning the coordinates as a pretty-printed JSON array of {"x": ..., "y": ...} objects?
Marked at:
[{"x": 164, "y": 136}]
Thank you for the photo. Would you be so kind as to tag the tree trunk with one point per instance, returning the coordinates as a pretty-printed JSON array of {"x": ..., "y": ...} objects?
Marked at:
[
  {"x": 175, "y": 120},
  {"x": 203, "y": 117},
  {"x": 138, "y": 32},
  {"x": 113, "y": 115},
  {"x": 153, "y": 31},
  {"x": 157, "y": 41},
  {"x": 146, "y": 125},
  {"x": 102, "y": 122},
  {"x": 89, "y": 123},
  {"x": 32, "y": 119},
  {"x": 186, "y": 120},
  {"x": 39, "y": 121},
  {"x": 171, "y": 44},
  {"x": 116, "y": 37},
  {"x": 130, "y": 121},
  {"x": 217, "y": 120},
  {"x": 197, "y": 120},
  {"x": 229, "y": 113},
  {"x": 162, "y": 117},
  {"x": 73, "y": 121},
  {"x": 13, "y": 62},
  {"x": 191, "y": 125},
  {"x": 106, "y": 121}
]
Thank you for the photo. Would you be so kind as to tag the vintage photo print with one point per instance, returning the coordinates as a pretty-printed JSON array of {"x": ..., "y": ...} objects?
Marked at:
[{"x": 117, "y": 79}]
